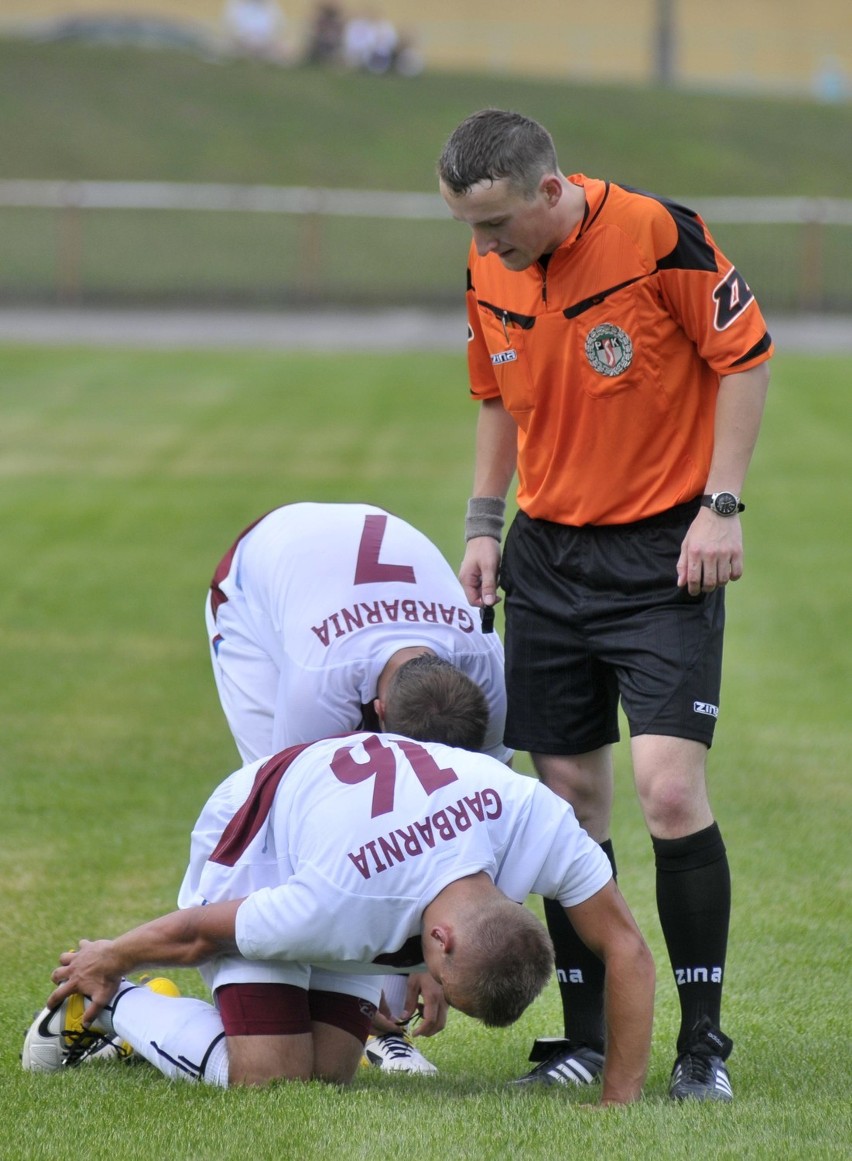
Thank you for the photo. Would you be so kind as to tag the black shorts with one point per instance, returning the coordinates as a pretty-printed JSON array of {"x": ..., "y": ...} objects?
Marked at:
[{"x": 594, "y": 615}]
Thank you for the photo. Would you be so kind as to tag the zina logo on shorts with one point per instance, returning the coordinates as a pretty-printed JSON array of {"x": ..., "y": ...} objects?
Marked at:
[{"x": 706, "y": 707}]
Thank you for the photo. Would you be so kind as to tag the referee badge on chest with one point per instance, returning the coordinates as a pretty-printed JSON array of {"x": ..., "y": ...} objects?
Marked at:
[{"x": 609, "y": 349}]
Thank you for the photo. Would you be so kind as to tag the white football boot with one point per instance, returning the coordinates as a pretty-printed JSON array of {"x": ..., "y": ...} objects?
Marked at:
[
  {"x": 395, "y": 1052},
  {"x": 57, "y": 1039}
]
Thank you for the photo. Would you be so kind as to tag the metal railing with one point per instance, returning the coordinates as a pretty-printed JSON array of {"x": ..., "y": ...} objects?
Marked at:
[{"x": 343, "y": 245}]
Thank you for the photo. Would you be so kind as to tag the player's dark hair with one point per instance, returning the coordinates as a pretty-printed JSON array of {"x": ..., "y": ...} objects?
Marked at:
[
  {"x": 511, "y": 961},
  {"x": 493, "y": 144},
  {"x": 432, "y": 701}
]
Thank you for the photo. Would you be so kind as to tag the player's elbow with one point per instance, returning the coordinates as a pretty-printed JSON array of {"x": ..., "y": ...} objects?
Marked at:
[
  {"x": 632, "y": 962},
  {"x": 645, "y": 967}
]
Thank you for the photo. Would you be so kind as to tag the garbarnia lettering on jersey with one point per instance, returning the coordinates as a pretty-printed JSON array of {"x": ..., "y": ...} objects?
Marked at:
[
  {"x": 412, "y": 612},
  {"x": 382, "y": 852}
]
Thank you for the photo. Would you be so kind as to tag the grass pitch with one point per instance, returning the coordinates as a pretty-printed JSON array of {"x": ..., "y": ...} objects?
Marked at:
[{"x": 127, "y": 474}]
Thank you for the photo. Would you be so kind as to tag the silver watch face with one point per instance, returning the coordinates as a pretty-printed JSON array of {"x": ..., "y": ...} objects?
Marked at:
[{"x": 724, "y": 503}]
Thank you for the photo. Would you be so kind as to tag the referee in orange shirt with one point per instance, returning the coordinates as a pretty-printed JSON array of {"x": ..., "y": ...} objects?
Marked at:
[{"x": 620, "y": 362}]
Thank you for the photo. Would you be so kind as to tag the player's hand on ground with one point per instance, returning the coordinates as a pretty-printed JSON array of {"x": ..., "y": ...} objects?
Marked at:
[
  {"x": 479, "y": 571},
  {"x": 90, "y": 972},
  {"x": 711, "y": 554}
]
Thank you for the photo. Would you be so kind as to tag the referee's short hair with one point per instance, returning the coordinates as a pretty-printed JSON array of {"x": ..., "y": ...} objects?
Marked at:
[
  {"x": 494, "y": 144},
  {"x": 430, "y": 700}
]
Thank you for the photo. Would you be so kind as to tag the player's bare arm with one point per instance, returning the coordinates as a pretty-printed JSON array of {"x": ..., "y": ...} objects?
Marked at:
[
  {"x": 605, "y": 924},
  {"x": 712, "y": 551},
  {"x": 496, "y": 457},
  {"x": 184, "y": 938}
]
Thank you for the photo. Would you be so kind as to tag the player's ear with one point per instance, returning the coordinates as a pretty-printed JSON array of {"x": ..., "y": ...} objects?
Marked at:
[
  {"x": 444, "y": 936},
  {"x": 379, "y": 707}
]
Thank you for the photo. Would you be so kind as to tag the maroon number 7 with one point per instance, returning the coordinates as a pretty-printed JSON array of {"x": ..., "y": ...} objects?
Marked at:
[{"x": 368, "y": 567}]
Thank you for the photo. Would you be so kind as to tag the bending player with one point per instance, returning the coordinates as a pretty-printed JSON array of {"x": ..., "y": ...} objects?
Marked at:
[
  {"x": 309, "y": 614},
  {"x": 349, "y": 855}
]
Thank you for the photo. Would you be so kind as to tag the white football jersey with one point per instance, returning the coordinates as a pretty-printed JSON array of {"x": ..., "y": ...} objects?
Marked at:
[
  {"x": 308, "y": 607},
  {"x": 339, "y": 846}
]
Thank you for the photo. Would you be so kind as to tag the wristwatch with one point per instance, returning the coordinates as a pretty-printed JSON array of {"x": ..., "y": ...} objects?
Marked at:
[{"x": 723, "y": 503}]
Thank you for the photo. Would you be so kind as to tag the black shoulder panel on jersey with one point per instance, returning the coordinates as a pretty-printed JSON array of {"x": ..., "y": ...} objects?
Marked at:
[
  {"x": 692, "y": 250},
  {"x": 758, "y": 349},
  {"x": 469, "y": 280}
]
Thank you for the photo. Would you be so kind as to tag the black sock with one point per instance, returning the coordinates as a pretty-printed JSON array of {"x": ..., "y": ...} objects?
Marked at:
[
  {"x": 580, "y": 974},
  {"x": 694, "y": 904}
]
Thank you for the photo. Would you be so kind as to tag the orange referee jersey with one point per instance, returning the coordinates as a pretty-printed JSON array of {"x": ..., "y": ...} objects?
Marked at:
[{"x": 610, "y": 357}]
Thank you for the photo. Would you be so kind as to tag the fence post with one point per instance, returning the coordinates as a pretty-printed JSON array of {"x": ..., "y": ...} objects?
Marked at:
[
  {"x": 813, "y": 248},
  {"x": 310, "y": 256},
  {"x": 69, "y": 254}
]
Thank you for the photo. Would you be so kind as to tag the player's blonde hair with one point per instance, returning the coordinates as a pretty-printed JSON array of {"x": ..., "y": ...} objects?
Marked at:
[{"x": 507, "y": 959}]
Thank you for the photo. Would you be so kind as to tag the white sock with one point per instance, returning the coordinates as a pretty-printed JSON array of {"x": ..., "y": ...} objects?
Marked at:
[
  {"x": 181, "y": 1036},
  {"x": 103, "y": 1021},
  {"x": 394, "y": 988}
]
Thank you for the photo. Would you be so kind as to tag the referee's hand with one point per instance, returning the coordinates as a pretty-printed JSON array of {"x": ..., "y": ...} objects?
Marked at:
[
  {"x": 711, "y": 553},
  {"x": 479, "y": 571}
]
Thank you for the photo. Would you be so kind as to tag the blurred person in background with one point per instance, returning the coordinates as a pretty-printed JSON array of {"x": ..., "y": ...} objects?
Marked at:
[
  {"x": 256, "y": 28},
  {"x": 372, "y": 44},
  {"x": 325, "y": 36}
]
